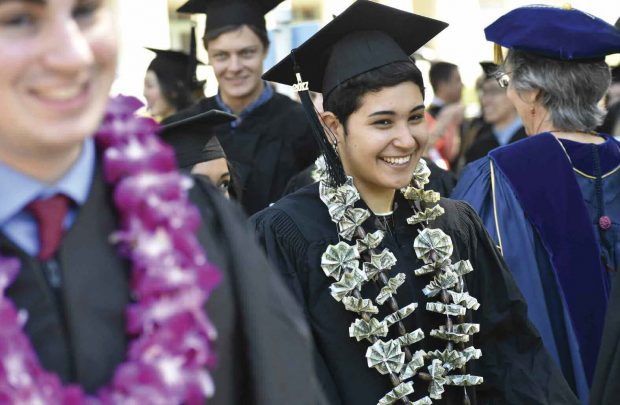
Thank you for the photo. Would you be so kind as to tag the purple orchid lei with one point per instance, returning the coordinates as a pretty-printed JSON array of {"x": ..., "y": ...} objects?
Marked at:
[{"x": 170, "y": 349}]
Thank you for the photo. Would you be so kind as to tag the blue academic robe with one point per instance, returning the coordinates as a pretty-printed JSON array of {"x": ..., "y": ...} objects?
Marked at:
[{"x": 538, "y": 199}]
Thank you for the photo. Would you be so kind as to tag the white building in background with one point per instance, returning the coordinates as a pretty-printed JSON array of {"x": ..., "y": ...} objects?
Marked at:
[{"x": 154, "y": 23}]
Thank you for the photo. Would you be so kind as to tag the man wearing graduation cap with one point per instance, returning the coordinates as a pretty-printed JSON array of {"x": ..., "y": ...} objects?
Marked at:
[
  {"x": 407, "y": 296},
  {"x": 550, "y": 201},
  {"x": 270, "y": 142}
]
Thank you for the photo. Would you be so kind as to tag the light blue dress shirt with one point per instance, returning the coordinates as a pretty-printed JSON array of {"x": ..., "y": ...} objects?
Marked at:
[
  {"x": 504, "y": 136},
  {"x": 262, "y": 99},
  {"x": 19, "y": 189}
]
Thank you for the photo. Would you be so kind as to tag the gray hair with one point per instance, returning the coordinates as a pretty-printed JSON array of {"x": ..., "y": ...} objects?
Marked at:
[{"x": 569, "y": 90}]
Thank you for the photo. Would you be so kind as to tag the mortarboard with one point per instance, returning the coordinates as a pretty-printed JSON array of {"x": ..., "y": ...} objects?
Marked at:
[
  {"x": 176, "y": 67},
  {"x": 489, "y": 69},
  {"x": 557, "y": 33},
  {"x": 364, "y": 37},
  {"x": 193, "y": 138},
  {"x": 222, "y": 13},
  {"x": 174, "y": 64}
]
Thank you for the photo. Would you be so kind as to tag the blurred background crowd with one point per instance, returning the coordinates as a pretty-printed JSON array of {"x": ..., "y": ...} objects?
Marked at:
[{"x": 468, "y": 112}]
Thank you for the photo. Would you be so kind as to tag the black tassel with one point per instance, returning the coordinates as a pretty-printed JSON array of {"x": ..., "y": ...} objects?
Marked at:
[
  {"x": 335, "y": 171},
  {"x": 193, "y": 64}
]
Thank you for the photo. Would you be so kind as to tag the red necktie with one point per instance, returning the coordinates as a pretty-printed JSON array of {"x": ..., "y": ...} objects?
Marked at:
[{"x": 50, "y": 216}]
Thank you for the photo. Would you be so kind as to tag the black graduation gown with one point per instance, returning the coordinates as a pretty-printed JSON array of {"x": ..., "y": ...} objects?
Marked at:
[
  {"x": 441, "y": 180},
  {"x": 272, "y": 144},
  {"x": 605, "y": 385},
  {"x": 253, "y": 313},
  {"x": 486, "y": 141},
  {"x": 516, "y": 368}
]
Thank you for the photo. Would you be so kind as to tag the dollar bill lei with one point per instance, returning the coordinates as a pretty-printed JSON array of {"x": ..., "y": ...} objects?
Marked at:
[{"x": 359, "y": 259}]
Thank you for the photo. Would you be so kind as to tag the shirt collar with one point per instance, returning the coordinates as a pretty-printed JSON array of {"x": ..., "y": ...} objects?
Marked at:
[
  {"x": 75, "y": 184},
  {"x": 438, "y": 102},
  {"x": 504, "y": 136},
  {"x": 265, "y": 96}
]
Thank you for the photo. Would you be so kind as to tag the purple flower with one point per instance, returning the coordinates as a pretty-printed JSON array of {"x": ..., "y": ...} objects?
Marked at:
[
  {"x": 171, "y": 279},
  {"x": 121, "y": 160}
]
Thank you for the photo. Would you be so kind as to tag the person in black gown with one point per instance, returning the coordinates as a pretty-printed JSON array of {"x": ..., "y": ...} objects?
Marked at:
[
  {"x": 76, "y": 298},
  {"x": 170, "y": 82},
  {"x": 270, "y": 142},
  {"x": 382, "y": 267}
]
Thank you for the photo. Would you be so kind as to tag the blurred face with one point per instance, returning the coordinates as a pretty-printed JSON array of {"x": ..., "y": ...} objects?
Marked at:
[
  {"x": 496, "y": 106},
  {"x": 385, "y": 138},
  {"x": 58, "y": 59},
  {"x": 156, "y": 103},
  {"x": 453, "y": 88},
  {"x": 237, "y": 60},
  {"x": 217, "y": 172}
]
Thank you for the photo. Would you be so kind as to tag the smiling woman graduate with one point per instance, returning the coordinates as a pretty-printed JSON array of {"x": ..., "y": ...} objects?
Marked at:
[{"x": 406, "y": 294}]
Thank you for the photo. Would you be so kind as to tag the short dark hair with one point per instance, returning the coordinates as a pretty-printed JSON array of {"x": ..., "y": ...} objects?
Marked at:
[
  {"x": 440, "y": 72},
  {"x": 177, "y": 92},
  {"x": 260, "y": 33},
  {"x": 346, "y": 98}
]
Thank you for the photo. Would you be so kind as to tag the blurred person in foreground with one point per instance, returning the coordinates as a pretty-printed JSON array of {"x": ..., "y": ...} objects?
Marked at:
[
  {"x": 270, "y": 141},
  {"x": 407, "y": 296},
  {"x": 502, "y": 124},
  {"x": 550, "y": 201},
  {"x": 120, "y": 282}
]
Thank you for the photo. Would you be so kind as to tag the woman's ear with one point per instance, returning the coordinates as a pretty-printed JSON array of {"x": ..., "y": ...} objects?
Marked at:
[
  {"x": 333, "y": 126},
  {"x": 531, "y": 96}
]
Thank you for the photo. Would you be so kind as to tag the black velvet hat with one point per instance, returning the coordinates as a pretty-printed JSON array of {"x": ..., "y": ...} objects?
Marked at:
[
  {"x": 222, "y": 13},
  {"x": 193, "y": 138}
]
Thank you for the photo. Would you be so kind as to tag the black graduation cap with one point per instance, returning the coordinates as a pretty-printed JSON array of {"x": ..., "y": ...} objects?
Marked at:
[
  {"x": 489, "y": 69},
  {"x": 193, "y": 138},
  {"x": 172, "y": 66},
  {"x": 364, "y": 37},
  {"x": 222, "y": 13}
]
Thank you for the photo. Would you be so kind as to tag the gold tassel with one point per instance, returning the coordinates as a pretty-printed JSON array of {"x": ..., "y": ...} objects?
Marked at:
[
  {"x": 567, "y": 6},
  {"x": 498, "y": 55}
]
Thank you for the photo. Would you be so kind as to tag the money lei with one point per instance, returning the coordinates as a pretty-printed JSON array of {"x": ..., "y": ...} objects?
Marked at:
[{"x": 395, "y": 358}]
